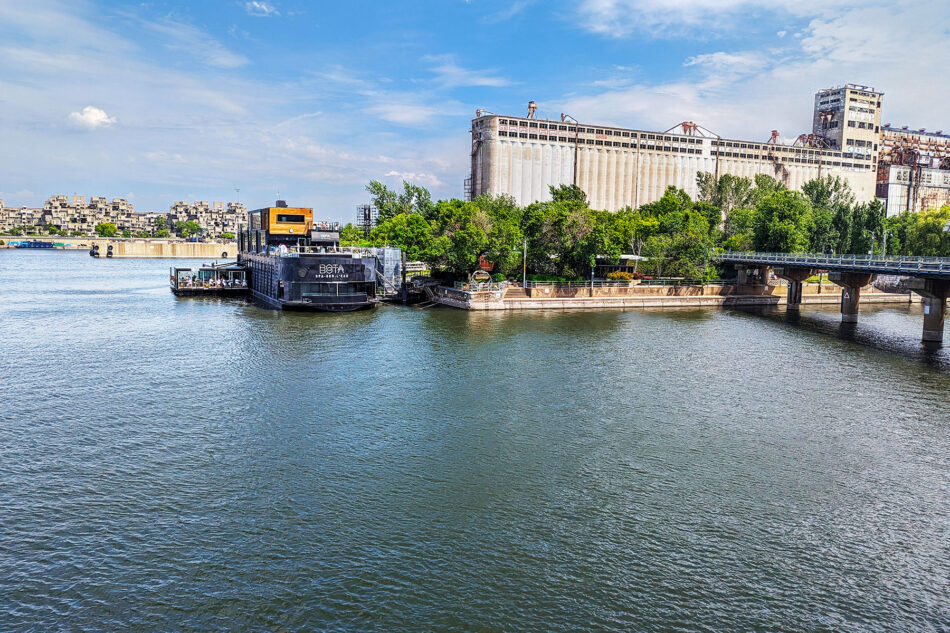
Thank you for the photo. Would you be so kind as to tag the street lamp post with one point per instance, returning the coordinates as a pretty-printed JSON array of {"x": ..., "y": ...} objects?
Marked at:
[{"x": 577, "y": 131}]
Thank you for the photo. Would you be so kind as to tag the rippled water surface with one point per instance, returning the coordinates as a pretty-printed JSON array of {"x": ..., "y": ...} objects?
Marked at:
[{"x": 193, "y": 465}]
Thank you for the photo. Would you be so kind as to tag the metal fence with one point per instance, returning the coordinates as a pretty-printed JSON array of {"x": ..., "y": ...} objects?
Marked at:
[{"x": 622, "y": 284}]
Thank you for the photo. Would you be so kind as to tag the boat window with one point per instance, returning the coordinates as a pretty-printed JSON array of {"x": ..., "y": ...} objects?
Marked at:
[{"x": 285, "y": 217}]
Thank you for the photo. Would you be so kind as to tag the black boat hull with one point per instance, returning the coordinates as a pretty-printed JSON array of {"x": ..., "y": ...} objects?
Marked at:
[{"x": 313, "y": 282}]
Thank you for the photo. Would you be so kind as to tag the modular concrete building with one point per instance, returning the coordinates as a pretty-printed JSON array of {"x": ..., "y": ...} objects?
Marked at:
[{"x": 618, "y": 167}]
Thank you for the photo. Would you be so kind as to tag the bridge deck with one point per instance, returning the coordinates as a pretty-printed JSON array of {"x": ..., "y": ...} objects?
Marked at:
[{"x": 924, "y": 267}]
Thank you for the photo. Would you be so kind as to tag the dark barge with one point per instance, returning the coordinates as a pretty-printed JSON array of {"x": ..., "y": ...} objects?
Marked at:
[{"x": 296, "y": 264}]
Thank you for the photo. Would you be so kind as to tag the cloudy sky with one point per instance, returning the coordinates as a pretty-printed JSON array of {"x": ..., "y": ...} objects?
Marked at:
[{"x": 165, "y": 101}]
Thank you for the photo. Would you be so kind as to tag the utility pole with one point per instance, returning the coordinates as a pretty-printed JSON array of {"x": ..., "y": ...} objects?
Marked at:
[{"x": 577, "y": 132}]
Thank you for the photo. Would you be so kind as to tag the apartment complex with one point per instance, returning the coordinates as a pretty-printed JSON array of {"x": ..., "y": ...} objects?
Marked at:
[
  {"x": 74, "y": 214},
  {"x": 618, "y": 167},
  {"x": 215, "y": 217}
]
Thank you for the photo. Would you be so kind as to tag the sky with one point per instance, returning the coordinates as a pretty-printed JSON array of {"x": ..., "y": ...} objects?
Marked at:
[{"x": 241, "y": 100}]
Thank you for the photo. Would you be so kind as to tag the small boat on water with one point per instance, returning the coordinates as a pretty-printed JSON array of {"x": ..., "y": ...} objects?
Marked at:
[
  {"x": 210, "y": 280},
  {"x": 34, "y": 244}
]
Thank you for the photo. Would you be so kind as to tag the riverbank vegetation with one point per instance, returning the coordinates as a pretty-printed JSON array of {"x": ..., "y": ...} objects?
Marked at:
[{"x": 676, "y": 234}]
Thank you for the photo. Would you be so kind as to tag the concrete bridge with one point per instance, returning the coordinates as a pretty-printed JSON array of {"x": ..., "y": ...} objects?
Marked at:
[{"x": 930, "y": 279}]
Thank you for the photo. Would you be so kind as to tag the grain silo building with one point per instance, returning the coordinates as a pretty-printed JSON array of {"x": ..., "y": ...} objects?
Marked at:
[{"x": 618, "y": 167}]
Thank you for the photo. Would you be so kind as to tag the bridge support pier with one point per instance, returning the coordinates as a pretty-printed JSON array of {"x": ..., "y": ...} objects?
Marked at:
[
  {"x": 742, "y": 275},
  {"x": 851, "y": 284},
  {"x": 934, "y": 293},
  {"x": 795, "y": 278}
]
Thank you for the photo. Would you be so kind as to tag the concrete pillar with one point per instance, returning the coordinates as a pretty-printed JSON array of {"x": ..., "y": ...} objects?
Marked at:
[
  {"x": 934, "y": 310},
  {"x": 850, "y": 296},
  {"x": 742, "y": 275},
  {"x": 795, "y": 278},
  {"x": 794, "y": 300},
  {"x": 851, "y": 284},
  {"x": 934, "y": 293}
]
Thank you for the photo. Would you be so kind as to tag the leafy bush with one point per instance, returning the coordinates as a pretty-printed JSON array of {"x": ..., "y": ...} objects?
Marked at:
[
  {"x": 620, "y": 275},
  {"x": 497, "y": 277}
]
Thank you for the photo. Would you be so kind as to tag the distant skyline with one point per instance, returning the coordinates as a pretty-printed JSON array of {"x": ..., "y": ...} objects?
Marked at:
[{"x": 163, "y": 101}]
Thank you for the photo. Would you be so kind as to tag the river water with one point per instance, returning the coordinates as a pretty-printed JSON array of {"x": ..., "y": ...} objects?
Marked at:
[{"x": 197, "y": 465}]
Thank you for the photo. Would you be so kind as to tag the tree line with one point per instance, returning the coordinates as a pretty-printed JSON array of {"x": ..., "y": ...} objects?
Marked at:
[{"x": 676, "y": 234}]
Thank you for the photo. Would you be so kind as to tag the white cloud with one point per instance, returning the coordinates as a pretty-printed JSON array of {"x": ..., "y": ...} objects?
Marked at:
[
  {"x": 506, "y": 14},
  {"x": 416, "y": 178},
  {"x": 450, "y": 75},
  {"x": 745, "y": 94},
  {"x": 619, "y": 18},
  {"x": 404, "y": 113},
  {"x": 185, "y": 38},
  {"x": 261, "y": 9},
  {"x": 90, "y": 118}
]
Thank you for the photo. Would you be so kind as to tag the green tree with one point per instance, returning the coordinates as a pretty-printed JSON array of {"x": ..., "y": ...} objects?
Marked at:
[
  {"x": 106, "y": 229},
  {"x": 926, "y": 237},
  {"x": 783, "y": 223},
  {"x": 408, "y": 231},
  {"x": 833, "y": 203},
  {"x": 568, "y": 193},
  {"x": 227, "y": 235},
  {"x": 461, "y": 235},
  {"x": 389, "y": 203},
  {"x": 727, "y": 193},
  {"x": 187, "y": 228},
  {"x": 126, "y": 233},
  {"x": 765, "y": 185},
  {"x": 867, "y": 228},
  {"x": 738, "y": 232},
  {"x": 351, "y": 235},
  {"x": 503, "y": 232}
]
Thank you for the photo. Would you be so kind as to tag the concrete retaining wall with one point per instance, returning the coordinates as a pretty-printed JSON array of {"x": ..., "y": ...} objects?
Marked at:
[
  {"x": 639, "y": 296},
  {"x": 139, "y": 248}
]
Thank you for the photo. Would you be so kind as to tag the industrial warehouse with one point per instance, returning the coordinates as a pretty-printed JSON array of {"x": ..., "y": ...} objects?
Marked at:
[{"x": 618, "y": 167}]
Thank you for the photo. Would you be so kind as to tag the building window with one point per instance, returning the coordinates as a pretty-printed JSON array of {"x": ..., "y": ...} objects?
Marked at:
[
  {"x": 533, "y": 125},
  {"x": 523, "y": 135},
  {"x": 544, "y": 126},
  {"x": 534, "y": 136}
]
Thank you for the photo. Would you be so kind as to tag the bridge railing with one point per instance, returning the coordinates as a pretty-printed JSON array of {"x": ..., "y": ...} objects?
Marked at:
[{"x": 817, "y": 260}]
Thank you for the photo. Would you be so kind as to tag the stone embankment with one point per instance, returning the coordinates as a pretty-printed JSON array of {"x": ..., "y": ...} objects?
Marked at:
[
  {"x": 138, "y": 248},
  {"x": 647, "y": 296}
]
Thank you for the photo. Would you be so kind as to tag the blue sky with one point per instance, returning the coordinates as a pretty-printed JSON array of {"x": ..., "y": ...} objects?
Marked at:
[{"x": 166, "y": 101}]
